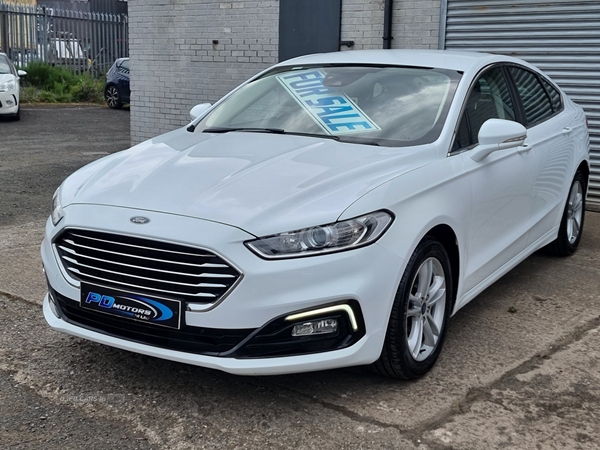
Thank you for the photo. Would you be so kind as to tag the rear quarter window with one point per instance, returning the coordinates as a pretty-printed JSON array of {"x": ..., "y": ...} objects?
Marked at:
[
  {"x": 124, "y": 66},
  {"x": 536, "y": 102},
  {"x": 555, "y": 97}
]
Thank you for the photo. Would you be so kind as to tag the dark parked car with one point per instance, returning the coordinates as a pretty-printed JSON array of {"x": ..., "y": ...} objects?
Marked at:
[{"x": 116, "y": 89}]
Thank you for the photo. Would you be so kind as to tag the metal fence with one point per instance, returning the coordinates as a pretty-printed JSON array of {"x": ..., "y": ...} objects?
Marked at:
[{"x": 81, "y": 41}]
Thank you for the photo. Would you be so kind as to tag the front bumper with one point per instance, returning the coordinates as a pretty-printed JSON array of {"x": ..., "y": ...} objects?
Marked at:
[
  {"x": 367, "y": 278},
  {"x": 9, "y": 102}
]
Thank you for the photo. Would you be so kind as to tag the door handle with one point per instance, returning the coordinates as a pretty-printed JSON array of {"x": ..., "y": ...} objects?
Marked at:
[
  {"x": 567, "y": 130},
  {"x": 523, "y": 148}
]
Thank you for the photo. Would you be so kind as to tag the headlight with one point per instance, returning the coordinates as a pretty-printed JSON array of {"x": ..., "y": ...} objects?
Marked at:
[
  {"x": 57, "y": 211},
  {"x": 333, "y": 237},
  {"x": 8, "y": 86}
]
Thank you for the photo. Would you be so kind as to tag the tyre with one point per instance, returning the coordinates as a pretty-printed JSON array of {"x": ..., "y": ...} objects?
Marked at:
[
  {"x": 420, "y": 312},
  {"x": 571, "y": 224},
  {"x": 17, "y": 116},
  {"x": 113, "y": 99}
]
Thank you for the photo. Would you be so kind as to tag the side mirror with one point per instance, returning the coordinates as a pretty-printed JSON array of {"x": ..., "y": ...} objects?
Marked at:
[
  {"x": 21, "y": 73},
  {"x": 498, "y": 134},
  {"x": 198, "y": 110}
]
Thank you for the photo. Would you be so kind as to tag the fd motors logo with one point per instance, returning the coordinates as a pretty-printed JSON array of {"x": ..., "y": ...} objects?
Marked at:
[{"x": 139, "y": 307}]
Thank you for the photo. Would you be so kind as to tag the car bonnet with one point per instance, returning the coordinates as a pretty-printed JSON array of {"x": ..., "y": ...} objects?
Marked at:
[{"x": 261, "y": 183}]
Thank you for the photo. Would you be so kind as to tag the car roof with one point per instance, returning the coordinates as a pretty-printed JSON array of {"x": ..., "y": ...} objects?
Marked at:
[{"x": 443, "y": 59}]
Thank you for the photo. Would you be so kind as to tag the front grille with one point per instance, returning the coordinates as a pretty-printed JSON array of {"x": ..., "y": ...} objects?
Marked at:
[
  {"x": 145, "y": 266},
  {"x": 204, "y": 341}
]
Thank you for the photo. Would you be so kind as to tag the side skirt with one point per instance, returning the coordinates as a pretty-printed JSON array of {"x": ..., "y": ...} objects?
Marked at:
[{"x": 541, "y": 242}]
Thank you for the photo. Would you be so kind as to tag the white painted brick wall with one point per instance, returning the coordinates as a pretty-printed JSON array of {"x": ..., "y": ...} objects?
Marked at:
[
  {"x": 176, "y": 66},
  {"x": 362, "y": 22},
  {"x": 415, "y": 23}
]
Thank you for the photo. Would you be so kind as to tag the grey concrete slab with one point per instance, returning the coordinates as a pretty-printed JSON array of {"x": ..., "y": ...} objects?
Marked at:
[
  {"x": 548, "y": 403},
  {"x": 21, "y": 272}
]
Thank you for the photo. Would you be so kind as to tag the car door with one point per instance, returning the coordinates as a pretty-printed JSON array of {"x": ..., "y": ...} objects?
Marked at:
[
  {"x": 501, "y": 183},
  {"x": 550, "y": 145}
]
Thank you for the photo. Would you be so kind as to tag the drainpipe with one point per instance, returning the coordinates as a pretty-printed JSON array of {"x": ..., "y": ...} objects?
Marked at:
[
  {"x": 387, "y": 24},
  {"x": 4, "y": 32}
]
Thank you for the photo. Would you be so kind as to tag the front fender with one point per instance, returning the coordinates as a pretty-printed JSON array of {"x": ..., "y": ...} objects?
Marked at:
[{"x": 421, "y": 200}]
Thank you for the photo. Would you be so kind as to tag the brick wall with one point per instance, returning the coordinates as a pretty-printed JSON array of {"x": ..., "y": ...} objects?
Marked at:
[
  {"x": 175, "y": 64},
  {"x": 362, "y": 22},
  {"x": 416, "y": 24}
]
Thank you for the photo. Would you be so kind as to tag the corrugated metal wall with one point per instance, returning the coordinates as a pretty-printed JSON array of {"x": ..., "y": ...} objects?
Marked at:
[{"x": 560, "y": 37}]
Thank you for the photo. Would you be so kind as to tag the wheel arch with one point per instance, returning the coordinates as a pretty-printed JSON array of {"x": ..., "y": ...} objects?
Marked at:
[
  {"x": 585, "y": 168},
  {"x": 446, "y": 236},
  {"x": 393, "y": 361}
]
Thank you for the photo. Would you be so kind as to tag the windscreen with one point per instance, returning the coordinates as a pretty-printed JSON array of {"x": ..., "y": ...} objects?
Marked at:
[
  {"x": 383, "y": 105},
  {"x": 4, "y": 65}
]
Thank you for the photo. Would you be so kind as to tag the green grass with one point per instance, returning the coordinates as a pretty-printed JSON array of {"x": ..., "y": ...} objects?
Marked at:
[{"x": 54, "y": 84}]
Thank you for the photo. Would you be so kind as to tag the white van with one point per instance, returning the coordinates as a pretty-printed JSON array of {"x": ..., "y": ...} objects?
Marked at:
[{"x": 64, "y": 52}]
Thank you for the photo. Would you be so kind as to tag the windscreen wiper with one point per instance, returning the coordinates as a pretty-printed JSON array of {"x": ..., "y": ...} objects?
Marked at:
[
  {"x": 269, "y": 130},
  {"x": 317, "y": 135},
  {"x": 255, "y": 130}
]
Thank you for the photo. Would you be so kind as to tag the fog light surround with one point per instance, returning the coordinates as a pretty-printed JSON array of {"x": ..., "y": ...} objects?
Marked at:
[
  {"x": 324, "y": 329},
  {"x": 53, "y": 305},
  {"x": 321, "y": 326},
  {"x": 329, "y": 309}
]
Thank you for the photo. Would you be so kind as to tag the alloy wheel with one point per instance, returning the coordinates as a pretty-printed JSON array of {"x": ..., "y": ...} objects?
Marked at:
[
  {"x": 574, "y": 212},
  {"x": 426, "y": 309},
  {"x": 112, "y": 96}
]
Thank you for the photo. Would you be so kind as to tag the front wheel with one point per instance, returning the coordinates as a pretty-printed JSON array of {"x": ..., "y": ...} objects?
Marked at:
[
  {"x": 417, "y": 325},
  {"x": 571, "y": 224},
  {"x": 113, "y": 99}
]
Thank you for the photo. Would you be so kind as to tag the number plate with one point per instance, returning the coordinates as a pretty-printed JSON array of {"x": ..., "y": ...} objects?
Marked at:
[{"x": 155, "y": 311}]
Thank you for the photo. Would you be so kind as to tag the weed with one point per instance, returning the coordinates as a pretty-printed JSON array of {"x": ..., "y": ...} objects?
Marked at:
[{"x": 45, "y": 83}]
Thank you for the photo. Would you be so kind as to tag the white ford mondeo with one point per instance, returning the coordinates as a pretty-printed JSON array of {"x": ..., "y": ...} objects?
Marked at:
[{"x": 334, "y": 210}]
